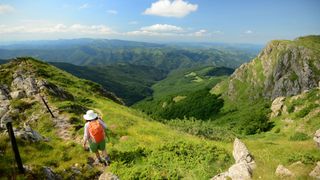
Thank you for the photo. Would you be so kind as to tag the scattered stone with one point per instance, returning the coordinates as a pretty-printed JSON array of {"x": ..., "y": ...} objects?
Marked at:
[
  {"x": 298, "y": 163},
  {"x": 316, "y": 137},
  {"x": 281, "y": 171},
  {"x": 54, "y": 90},
  {"x": 108, "y": 176},
  {"x": 49, "y": 174},
  {"x": 315, "y": 173},
  {"x": 17, "y": 94},
  {"x": 124, "y": 138},
  {"x": 277, "y": 106}
]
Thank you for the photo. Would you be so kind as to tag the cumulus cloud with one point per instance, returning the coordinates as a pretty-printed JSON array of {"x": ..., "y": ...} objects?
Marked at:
[
  {"x": 171, "y": 8},
  {"x": 113, "y": 12},
  {"x": 162, "y": 28},
  {"x": 158, "y": 30},
  {"x": 4, "y": 8}
]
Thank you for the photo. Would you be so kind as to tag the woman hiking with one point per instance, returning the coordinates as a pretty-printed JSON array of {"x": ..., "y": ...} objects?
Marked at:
[{"x": 94, "y": 132}]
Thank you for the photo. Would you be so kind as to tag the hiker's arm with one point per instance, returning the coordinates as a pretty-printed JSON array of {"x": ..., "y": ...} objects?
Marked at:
[
  {"x": 86, "y": 135},
  {"x": 102, "y": 123}
]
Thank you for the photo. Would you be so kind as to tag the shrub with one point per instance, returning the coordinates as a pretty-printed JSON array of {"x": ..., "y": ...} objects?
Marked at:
[
  {"x": 306, "y": 158},
  {"x": 256, "y": 122},
  {"x": 306, "y": 110},
  {"x": 299, "y": 136}
]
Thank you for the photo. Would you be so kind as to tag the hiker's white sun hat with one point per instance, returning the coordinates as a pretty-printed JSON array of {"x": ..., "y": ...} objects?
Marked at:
[{"x": 90, "y": 115}]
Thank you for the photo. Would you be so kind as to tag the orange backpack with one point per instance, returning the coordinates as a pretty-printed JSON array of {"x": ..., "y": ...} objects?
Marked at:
[{"x": 96, "y": 131}]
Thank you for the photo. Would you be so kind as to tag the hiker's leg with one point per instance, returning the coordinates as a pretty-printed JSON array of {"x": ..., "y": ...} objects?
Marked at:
[{"x": 98, "y": 155}]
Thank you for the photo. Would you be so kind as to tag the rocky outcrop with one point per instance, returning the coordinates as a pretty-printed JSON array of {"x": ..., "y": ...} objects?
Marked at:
[
  {"x": 315, "y": 173},
  {"x": 283, "y": 68},
  {"x": 277, "y": 106},
  {"x": 23, "y": 81},
  {"x": 54, "y": 90},
  {"x": 28, "y": 134},
  {"x": 316, "y": 137},
  {"x": 244, "y": 165},
  {"x": 283, "y": 172},
  {"x": 108, "y": 176}
]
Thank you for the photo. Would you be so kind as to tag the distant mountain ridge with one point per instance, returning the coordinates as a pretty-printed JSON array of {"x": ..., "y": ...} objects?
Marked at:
[{"x": 103, "y": 52}]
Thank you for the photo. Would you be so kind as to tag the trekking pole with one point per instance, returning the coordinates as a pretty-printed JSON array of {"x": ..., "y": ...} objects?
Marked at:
[
  {"x": 45, "y": 103},
  {"x": 15, "y": 147}
]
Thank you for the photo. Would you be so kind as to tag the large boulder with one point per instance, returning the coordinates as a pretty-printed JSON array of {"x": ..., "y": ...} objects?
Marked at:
[
  {"x": 240, "y": 171},
  {"x": 277, "y": 106},
  {"x": 315, "y": 173},
  {"x": 243, "y": 167},
  {"x": 316, "y": 137},
  {"x": 283, "y": 172},
  {"x": 241, "y": 153}
]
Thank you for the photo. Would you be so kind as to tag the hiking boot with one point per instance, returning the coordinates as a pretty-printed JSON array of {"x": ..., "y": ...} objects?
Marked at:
[
  {"x": 102, "y": 161},
  {"x": 107, "y": 159}
]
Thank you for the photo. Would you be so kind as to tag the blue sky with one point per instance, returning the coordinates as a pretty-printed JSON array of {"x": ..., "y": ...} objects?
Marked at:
[{"x": 232, "y": 21}]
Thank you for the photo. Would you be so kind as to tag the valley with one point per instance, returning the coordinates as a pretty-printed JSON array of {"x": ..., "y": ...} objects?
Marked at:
[{"x": 181, "y": 125}]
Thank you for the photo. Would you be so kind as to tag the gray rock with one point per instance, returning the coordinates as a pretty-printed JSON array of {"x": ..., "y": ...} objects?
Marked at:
[
  {"x": 316, "y": 137},
  {"x": 4, "y": 92},
  {"x": 240, "y": 171},
  {"x": 108, "y": 176},
  {"x": 315, "y": 173},
  {"x": 243, "y": 167},
  {"x": 277, "y": 106},
  {"x": 49, "y": 174},
  {"x": 27, "y": 133},
  {"x": 283, "y": 172},
  {"x": 17, "y": 94},
  {"x": 24, "y": 83},
  {"x": 241, "y": 153}
]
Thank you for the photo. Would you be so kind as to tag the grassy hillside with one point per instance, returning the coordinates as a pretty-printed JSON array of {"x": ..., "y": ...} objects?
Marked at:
[
  {"x": 128, "y": 81},
  {"x": 139, "y": 147}
]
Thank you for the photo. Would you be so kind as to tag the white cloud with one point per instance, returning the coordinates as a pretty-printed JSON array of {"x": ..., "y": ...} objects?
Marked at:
[
  {"x": 158, "y": 30},
  {"x": 4, "y": 8},
  {"x": 171, "y": 8},
  {"x": 162, "y": 28},
  {"x": 200, "y": 33},
  {"x": 113, "y": 12},
  {"x": 248, "y": 32},
  {"x": 77, "y": 29},
  {"x": 84, "y": 6}
]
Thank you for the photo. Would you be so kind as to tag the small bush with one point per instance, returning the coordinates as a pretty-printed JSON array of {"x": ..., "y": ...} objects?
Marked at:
[
  {"x": 305, "y": 111},
  {"x": 299, "y": 136},
  {"x": 306, "y": 158},
  {"x": 20, "y": 104},
  {"x": 72, "y": 107}
]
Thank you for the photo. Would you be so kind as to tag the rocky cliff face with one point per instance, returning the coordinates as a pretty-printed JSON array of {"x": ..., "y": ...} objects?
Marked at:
[{"x": 283, "y": 68}]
